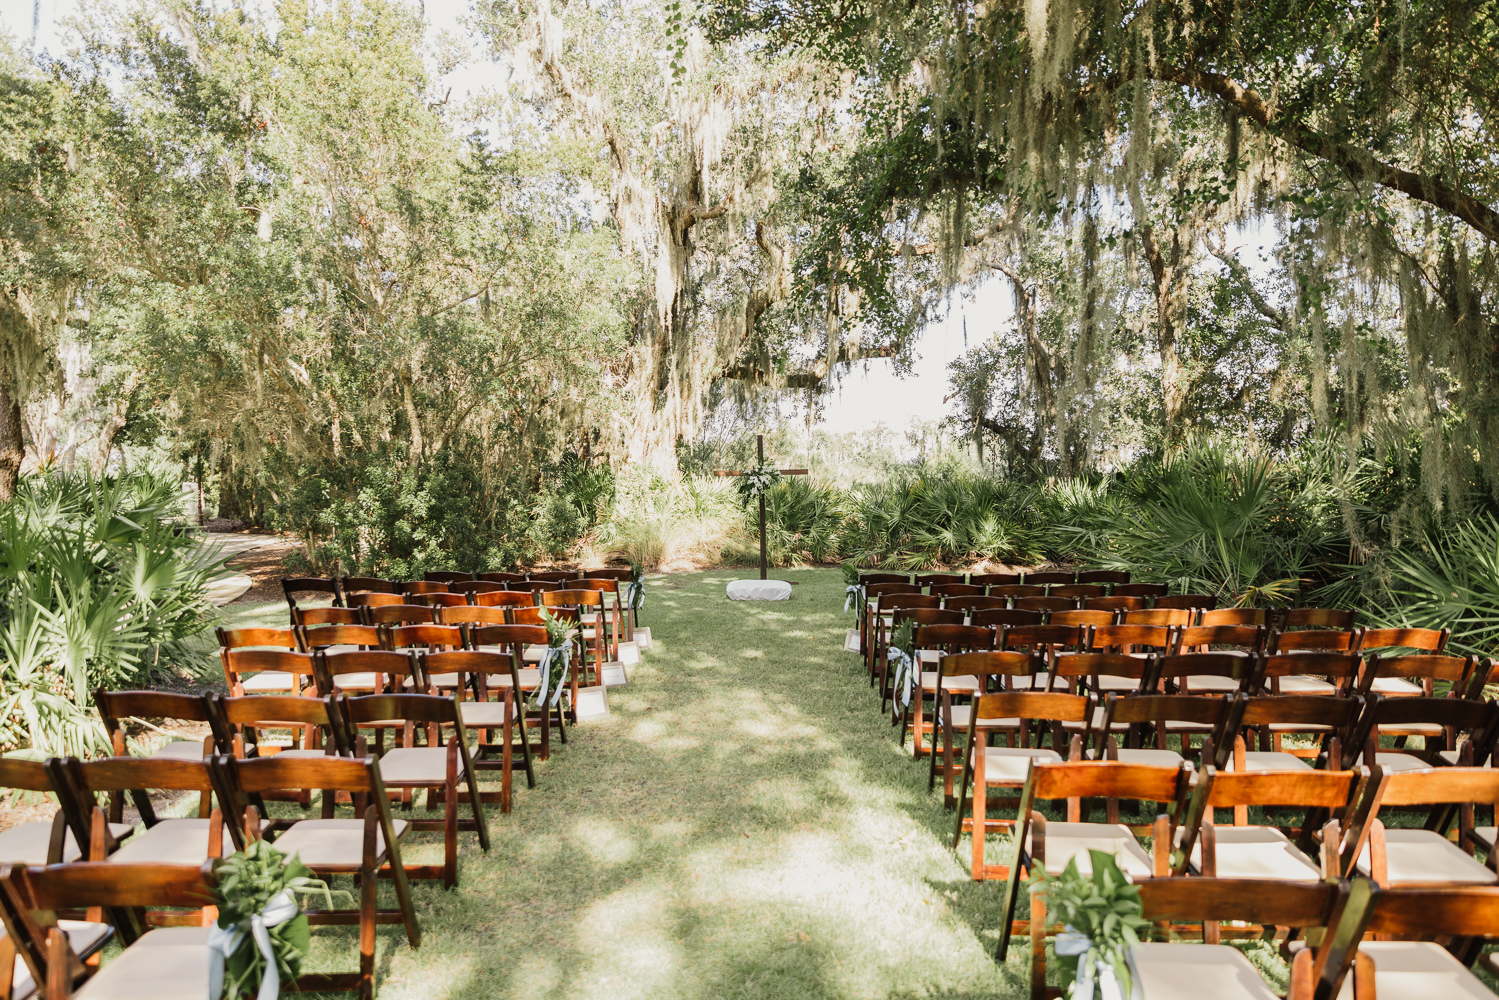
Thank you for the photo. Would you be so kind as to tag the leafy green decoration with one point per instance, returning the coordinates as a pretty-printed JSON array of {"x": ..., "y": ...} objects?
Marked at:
[{"x": 1104, "y": 908}]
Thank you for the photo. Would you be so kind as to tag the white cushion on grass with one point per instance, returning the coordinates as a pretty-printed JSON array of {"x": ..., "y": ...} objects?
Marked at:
[
  {"x": 1415, "y": 857},
  {"x": 759, "y": 590},
  {"x": 169, "y": 963},
  {"x": 1417, "y": 970},
  {"x": 1195, "y": 971}
]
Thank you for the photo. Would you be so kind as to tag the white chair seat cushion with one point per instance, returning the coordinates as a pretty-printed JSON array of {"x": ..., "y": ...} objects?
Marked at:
[
  {"x": 1396, "y": 761},
  {"x": 332, "y": 843},
  {"x": 268, "y": 680},
  {"x": 1065, "y": 841},
  {"x": 1150, "y": 756},
  {"x": 359, "y": 680},
  {"x": 957, "y": 685},
  {"x": 1423, "y": 857},
  {"x": 169, "y": 963},
  {"x": 1011, "y": 766},
  {"x": 299, "y": 753},
  {"x": 83, "y": 937},
  {"x": 1097, "y": 723},
  {"x": 171, "y": 842},
  {"x": 482, "y": 714},
  {"x": 1417, "y": 970},
  {"x": 1450, "y": 756},
  {"x": 1305, "y": 684},
  {"x": 1208, "y": 684},
  {"x": 1397, "y": 687},
  {"x": 407, "y": 765},
  {"x": 1257, "y": 852},
  {"x": 180, "y": 750},
  {"x": 962, "y": 715},
  {"x": 1195, "y": 971},
  {"x": 1485, "y": 836},
  {"x": 1269, "y": 760},
  {"x": 1107, "y": 682},
  {"x": 449, "y": 680},
  {"x": 26, "y": 843}
]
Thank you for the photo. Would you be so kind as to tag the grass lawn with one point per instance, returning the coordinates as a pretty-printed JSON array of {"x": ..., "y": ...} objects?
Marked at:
[{"x": 743, "y": 825}]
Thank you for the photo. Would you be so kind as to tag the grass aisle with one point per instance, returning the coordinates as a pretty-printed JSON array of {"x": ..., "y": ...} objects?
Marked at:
[{"x": 743, "y": 825}]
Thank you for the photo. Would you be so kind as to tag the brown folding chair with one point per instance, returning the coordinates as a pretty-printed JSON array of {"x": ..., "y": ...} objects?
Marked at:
[
  {"x": 1040, "y": 843},
  {"x": 618, "y": 626},
  {"x": 366, "y": 846},
  {"x": 142, "y": 705},
  {"x": 525, "y": 644},
  {"x": 471, "y": 615},
  {"x": 447, "y": 576},
  {"x": 993, "y": 579},
  {"x": 1117, "y": 603},
  {"x": 1078, "y": 591},
  {"x": 1015, "y": 591},
  {"x": 1335, "y": 619},
  {"x": 293, "y": 585},
  {"x": 442, "y": 600},
  {"x": 503, "y": 577},
  {"x": 370, "y": 585},
  {"x": 504, "y": 599},
  {"x": 42, "y": 841},
  {"x": 437, "y": 767},
  {"x": 1083, "y": 618},
  {"x": 1331, "y": 720},
  {"x": 341, "y": 638},
  {"x": 1146, "y": 590},
  {"x": 578, "y": 606},
  {"x": 880, "y": 611},
  {"x": 472, "y": 587},
  {"x": 874, "y": 593},
  {"x": 1049, "y": 579},
  {"x": 967, "y": 675},
  {"x": 473, "y": 669},
  {"x": 932, "y": 642},
  {"x": 267, "y": 671},
  {"x": 1404, "y": 858},
  {"x": 164, "y": 841},
  {"x": 400, "y": 615},
  {"x": 63, "y": 955},
  {"x": 1215, "y": 673},
  {"x": 1003, "y": 618},
  {"x": 1159, "y": 616},
  {"x": 1234, "y": 616},
  {"x": 362, "y": 601},
  {"x": 956, "y": 590},
  {"x": 311, "y": 617},
  {"x": 1437, "y": 720},
  {"x": 270, "y": 639},
  {"x": 986, "y": 767},
  {"x": 1181, "y": 715},
  {"x": 1110, "y": 576},
  {"x": 424, "y": 587},
  {"x": 1391, "y": 641},
  {"x": 969, "y": 603},
  {"x": 243, "y": 726},
  {"x": 1045, "y": 605},
  {"x": 368, "y": 671}
]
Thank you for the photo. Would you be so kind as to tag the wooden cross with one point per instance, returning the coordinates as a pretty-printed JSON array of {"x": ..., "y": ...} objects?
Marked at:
[{"x": 760, "y": 458}]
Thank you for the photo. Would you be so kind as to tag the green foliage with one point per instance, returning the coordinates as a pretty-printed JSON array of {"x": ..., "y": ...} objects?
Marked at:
[
  {"x": 1452, "y": 581},
  {"x": 1104, "y": 908},
  {"x": 248, "y": 880},
  {"x": 97, "y": 588}
]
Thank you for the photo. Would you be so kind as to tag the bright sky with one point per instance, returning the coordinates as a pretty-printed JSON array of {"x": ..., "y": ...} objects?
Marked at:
[{"x": 870, "y": 394}]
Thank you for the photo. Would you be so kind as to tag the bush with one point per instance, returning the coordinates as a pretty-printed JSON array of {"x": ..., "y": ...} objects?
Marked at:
[{"x": 100, "y": 585}]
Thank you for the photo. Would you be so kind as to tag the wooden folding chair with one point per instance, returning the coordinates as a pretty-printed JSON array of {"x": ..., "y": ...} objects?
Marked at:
[
  {"x": 1253, "y": 617},
  {"x": 1409, "y": 858},
  {"x": 1040, "y": 639},
  {"x": 993, "y": 579},
  {"x": 447, "y": 576},
  {"x": 1333, "y": 619},
  {"x": 168, "y": 963},
  {"x": 536, "y": 586},
  {"x": 264, "y": 671},
  {"x": 142, "y": 705},
  {"x": 554, "y": 575},
  {"x": 1078, "y": 591},
  {"x": 498, "y": 577},
  {"x": 938, "y": 579},
  {"x": 376, "y": 600},
  {"x": 437, "y": 767},
  {"x": 398, "y": 615},
  {"x": 579, "y": 605},
  {"x": 164, "y": 841},
  {"x": 1048, "y": 579},
  {"x": 1052, "y": 845},
  {"x": 1334, "y": 804},
  {"x": 1170, "y": 971},
  {"x": 985, "y": 767},
  {"x": 370, "y": 671},
  {"x": 1181, "y": 715},
  {"x": 956, "y": 590},
  {"x": 442, "y": 600},
  {"x": 1116, "y": 604},
  {"x": 524, "y": 644},
  {"x": 616, "y": 628},
  {"x": 472, "y": 587},
  {"x": 417, "y": 587},
  {"x": 241, "y": 672},
  {"x": 42, "y": 841},
  {"x": 1045, "y": 605},
  {"x": 1109, "y": 576},
  {"x": 970, "y": 603},
  {"x": 504, "y": 599},
  {"x": 917, "y": 616},
  {"x": 932, "y": 643},
  {"x": 369, "y": 585},
  {"x": 291, "y": 586},
  {"x": 305, "y": 618},
  {"x": 1415, "y": 676},
  {"x": 1003, "y": 618},
  {"x": 1081, "y": 617},
  {"x": 431, "y": 638},
  {"x": 966, "y": 675},
  {"x": 1146, "y": 590},
  {"x": 1437, "y": 720},
  {"x": 1331, "y": 720},
  {"x": 882, "y": 622},
  {"x": 504, "y": 714},
  {"x": 1016, "y": 591},
  {"x": 1324, "y": 674},
  {"x": 340, "y": 638},
  {"x": 242, "y": 726},
  {"x": 1208, "y": 673},
  {"x": 365, "y": 847}
]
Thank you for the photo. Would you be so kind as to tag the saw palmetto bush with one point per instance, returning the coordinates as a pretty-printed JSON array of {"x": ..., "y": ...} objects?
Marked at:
[
  {"x": 1212, "y": 520},
  {"x": 98, "y": 588},
  {"x": 803, "y": 521},
  {"x": 1451, "y": 580}
]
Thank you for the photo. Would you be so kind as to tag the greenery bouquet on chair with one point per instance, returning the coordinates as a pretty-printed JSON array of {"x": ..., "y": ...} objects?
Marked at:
[
  {"x": 902, "y": 654},
  {"x": 262, "y": 935},
  {"x": 1101, "y": 920},
  {"x": 556, "y": 661},
  {"x": 853, "y": 590}
]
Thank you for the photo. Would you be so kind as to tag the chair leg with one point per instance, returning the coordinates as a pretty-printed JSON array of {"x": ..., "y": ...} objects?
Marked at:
[
  {"x": 980, "y": 816},
  {"x": 450, "y": 822},
  {"x": 369, "y": 884},
  {"x": 1038, "y": 946}
]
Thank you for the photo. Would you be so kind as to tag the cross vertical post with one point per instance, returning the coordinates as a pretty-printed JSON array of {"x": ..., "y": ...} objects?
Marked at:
[{"x": 760, "y": 460}]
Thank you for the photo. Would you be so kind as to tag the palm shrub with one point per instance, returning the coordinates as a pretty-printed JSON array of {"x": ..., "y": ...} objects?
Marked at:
[
  {"x": 802, "y": 521},
  {"x": 98, "y": 585},
  {"x": 1451, "y": 580}
]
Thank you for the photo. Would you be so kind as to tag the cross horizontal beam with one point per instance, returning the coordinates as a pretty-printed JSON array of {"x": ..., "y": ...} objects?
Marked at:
[{"x": 784, "y": 472}]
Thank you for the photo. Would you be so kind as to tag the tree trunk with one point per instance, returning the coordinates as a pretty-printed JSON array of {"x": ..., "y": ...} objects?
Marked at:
[
  {"x": 1173, "y": 393},
  {"x": 12, "y": 449}
]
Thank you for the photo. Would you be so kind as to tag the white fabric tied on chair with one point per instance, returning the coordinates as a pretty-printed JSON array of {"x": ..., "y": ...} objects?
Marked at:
[
  {"x": 907, "y": 673},
  {"x": 225, "y": 941},
  {"x": 634, "y": 596},
  {"x": 545, "y": 666},
  {"x": 1094, "y": 977},
  {"x": 853, "y": 596}
]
